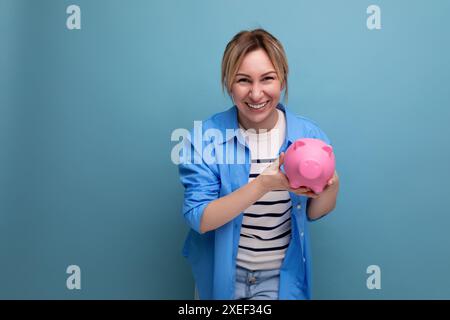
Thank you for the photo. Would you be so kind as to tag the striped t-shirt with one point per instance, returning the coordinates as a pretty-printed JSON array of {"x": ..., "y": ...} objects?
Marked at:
[{"x": 266, "y": 225}]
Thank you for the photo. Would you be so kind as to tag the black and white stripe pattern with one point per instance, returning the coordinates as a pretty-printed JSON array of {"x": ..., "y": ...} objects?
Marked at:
[
  {"x": 266, "y": 225},
  {"x": 266, "y": 228}
]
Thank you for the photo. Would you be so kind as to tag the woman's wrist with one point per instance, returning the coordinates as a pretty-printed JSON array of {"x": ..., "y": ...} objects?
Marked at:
[{"x": 261, "y": 184}]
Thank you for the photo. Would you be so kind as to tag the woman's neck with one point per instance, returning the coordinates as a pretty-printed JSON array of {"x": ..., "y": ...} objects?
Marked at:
[{"x": 264, "y": 126}]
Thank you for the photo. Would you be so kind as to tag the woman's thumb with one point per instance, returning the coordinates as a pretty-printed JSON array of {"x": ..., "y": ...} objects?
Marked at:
[{"x": 281, "y": 160}]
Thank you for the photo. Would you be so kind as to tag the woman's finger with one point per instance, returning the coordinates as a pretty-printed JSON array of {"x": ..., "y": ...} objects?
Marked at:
[
  {"x": 281, "y": 160},
  {"x": 333, "y": 179},
  {"x": 301, "y": 191},
  {"x": 312, "y": 195},
  {"x": 305, "y": 192}
]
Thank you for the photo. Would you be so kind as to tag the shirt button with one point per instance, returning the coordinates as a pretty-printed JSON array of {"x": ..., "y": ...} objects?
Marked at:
[
  {"x": 301, "y": 234},
  {"x": 299, "y": 206},
  {"x": 304, "y": 260}
]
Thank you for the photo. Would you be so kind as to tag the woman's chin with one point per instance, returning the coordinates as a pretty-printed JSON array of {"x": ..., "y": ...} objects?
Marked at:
[{"x": 257, "y": 119}]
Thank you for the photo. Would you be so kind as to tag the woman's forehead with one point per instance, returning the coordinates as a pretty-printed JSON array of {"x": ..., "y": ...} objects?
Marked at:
[{"x": 256, "y": 63}]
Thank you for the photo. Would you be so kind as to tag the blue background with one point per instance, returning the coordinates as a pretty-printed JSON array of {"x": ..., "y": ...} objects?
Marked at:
[{"x": 86, "y": 118}]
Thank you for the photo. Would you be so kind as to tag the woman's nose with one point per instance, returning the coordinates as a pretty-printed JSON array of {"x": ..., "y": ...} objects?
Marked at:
[{"x": 256, "y": 93}]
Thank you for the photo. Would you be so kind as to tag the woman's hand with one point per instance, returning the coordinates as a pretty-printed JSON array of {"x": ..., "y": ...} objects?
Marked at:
[
  {"x": 272, "y": 178},
  {"x": 333, "y": 180}
]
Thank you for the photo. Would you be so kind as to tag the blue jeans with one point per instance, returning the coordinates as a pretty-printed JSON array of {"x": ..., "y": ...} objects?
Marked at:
[{"x": 257, "y": 285}]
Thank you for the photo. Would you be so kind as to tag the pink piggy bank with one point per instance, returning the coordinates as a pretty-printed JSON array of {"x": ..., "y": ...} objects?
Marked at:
[{"x": 309, "y": 163}]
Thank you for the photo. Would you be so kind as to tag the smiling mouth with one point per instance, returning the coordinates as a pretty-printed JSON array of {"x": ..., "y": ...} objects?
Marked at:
[{"x": 257, "y": 106}]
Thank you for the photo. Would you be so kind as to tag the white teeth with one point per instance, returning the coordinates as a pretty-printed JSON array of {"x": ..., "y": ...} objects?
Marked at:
[{"x": 257, "y": 106}]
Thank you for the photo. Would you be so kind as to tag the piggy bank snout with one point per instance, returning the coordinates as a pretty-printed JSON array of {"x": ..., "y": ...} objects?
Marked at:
[{"x": 310, "y": 169}]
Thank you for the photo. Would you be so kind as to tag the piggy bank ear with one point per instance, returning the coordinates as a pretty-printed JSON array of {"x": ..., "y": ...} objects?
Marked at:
[
  {"x": 298, "y": 144},
  {"x": 328, "y": 150}
]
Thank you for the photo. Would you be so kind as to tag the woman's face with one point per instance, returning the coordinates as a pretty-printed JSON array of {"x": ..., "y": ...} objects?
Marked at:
[{"x": 256, "y": 91}]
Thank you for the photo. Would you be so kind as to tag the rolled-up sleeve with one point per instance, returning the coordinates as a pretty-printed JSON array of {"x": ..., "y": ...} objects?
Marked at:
[{"x": 201, "y": 186}]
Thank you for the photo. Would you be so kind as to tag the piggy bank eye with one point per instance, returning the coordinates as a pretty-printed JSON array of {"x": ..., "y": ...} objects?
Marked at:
[
  {"x": 298, "y": 144},
  {"x": 328, "y": 149}
]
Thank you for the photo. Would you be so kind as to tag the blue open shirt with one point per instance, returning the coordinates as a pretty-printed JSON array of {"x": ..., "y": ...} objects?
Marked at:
[{"x": 212, "y": 254}]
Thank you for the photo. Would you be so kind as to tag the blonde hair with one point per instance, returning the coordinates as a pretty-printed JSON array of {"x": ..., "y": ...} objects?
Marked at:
[{"x": 248, "y": 41}]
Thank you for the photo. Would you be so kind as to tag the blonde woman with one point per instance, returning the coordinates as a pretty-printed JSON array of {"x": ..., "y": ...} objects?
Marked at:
[{"x": 249, "y": 236}]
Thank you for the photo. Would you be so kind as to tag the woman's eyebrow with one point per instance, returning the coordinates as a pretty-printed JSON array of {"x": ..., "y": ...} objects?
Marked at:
[{"x": 246, "y": 75}]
